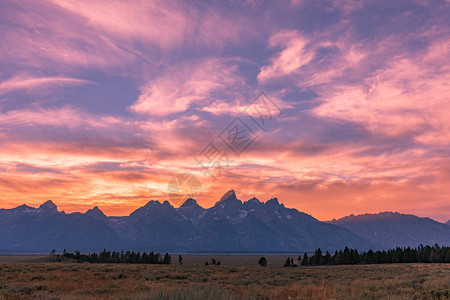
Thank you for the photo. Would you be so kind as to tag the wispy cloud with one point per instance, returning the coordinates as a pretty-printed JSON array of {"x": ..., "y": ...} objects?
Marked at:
[
  {"x": 27, "y": 82},
  {"x": 294, "y": 55},
  {"x": 192, "y": 83},
  {"x": 161, "y": 22}
]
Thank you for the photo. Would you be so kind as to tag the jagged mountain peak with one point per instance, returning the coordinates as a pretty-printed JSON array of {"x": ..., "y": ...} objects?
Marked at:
[
  {"x": 252, "y": 204},
  {"x": 19, "y": 209},
  {"x": 152, "y": 203},
  {"x": 228, "y": 197},
  {"x": 254, "y": 199},
  {"x": 155, "y": 208},
  {"x": 48, "y": 207},
  {"x": 189, "y": 202},
  {"x": 273, "y": 202},
  {"x": 24, "y": 207},
  {"x": 95, "y": 212},
  {"x": 191, "y": 210},
  {"x": 48, "y": 204}
]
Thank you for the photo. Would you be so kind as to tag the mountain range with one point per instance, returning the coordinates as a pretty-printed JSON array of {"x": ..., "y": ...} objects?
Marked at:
[
  {"x": 231, "y": 225},
  {"x": 390, "y": 230}
]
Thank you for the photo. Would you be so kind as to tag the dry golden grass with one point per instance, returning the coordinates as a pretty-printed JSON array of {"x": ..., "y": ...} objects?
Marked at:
[{"x": 20, "y": 280}]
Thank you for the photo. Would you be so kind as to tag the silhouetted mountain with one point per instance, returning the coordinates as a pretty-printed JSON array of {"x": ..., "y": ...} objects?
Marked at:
[
  {"x": 48, "y": 208},
  {"x": 190, "y": 209},
  {"x": 189, "y": 203},
  {"x": 230, "y": 225},
  {"x": 448, "y": 222},
  {"x": 96, "y": 213},
  {"x": 234, "y": 225},
  {"x": 44, "y": 228},
  {"x": 389, "y": 230}
]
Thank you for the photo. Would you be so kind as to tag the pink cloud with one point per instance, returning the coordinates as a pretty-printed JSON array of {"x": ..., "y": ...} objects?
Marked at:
[
  {"x": 291, "y": 59},
  {"x": 408, "y": 94},
  {"x": 345, "y": 6},
  {"x": 383, "y": 86},
  {"x": 27, "y": 82},
  {"x": 299, "y": 60},
  {"x": 162, "y": 22},
  {"x": 67, "y": 137},
  {"x": 46, "y": 36},
  {"x": 167, "y": 24},
  {"x": 179, "y": 88},
  {"x": 60, "y": 117}
]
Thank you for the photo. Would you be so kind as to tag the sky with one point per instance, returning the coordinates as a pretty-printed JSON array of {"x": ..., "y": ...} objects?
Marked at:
[{"x": 334, "y": 107}]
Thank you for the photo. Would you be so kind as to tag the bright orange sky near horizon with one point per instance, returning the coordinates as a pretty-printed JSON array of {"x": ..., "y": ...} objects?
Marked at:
[{"x": 109, "y": 103}]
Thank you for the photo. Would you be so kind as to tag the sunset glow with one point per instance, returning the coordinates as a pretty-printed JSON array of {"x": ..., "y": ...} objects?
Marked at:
[{"x": 103, "y": 103}]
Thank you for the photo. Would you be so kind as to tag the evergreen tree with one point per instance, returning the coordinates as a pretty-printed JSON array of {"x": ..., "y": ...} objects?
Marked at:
[
  {"x": 305, "y": 259},
  {"x": 167, "y": 259},
  {"x": 327, "y": 259},
  {"x": 447, "y": 256},
  {"x": 262, "y": 261},
  {"x": 288, "y": 262},
  {"x": 335, "y": 258},
  {"x": 180, "y": 260},
  {"x": 319, "y": 256}
]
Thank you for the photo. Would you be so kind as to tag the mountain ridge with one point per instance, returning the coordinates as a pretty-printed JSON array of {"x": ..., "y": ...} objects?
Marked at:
[
  {"x": 229, "y": 225},
  {"x": 192, "y": 201},
  {"x": 393, "y": 229}
]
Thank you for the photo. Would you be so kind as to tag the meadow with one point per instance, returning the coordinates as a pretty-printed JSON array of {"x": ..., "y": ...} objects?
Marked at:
[{"x": 238, "y": 277}]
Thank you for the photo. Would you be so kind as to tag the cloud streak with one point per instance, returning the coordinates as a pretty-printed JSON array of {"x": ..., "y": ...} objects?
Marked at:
[{"x": 26, "y": 82}]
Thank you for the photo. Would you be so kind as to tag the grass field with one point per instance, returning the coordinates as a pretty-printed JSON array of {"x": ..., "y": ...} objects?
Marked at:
[{"x": 44, "y": 280}]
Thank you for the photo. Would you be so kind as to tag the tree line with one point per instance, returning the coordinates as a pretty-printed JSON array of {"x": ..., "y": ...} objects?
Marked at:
[
  {"x": 128, "y": 257},
  {"x": 348, "y": 256}
]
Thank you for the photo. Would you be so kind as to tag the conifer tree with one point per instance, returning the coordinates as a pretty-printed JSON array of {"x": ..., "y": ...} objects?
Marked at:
[
  {"x": 288, "y": 262},
  {"x": 167, "y": 259},
  {"x": 305, "y": 259},
  {"x": 262, "y": 261}
]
